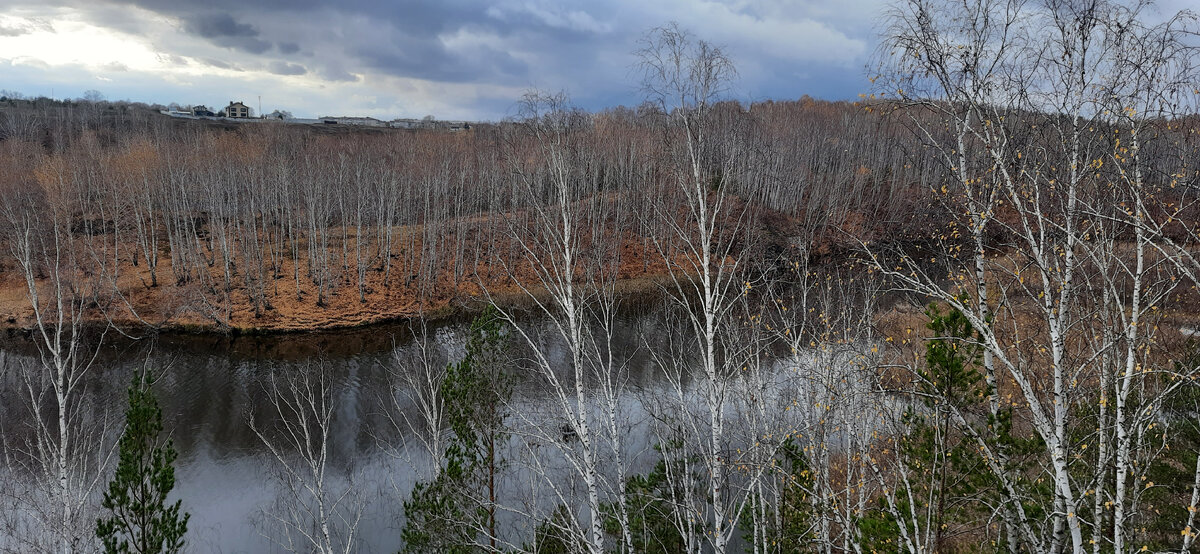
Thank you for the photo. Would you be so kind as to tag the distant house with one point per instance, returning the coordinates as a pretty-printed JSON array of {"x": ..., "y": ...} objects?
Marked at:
[
  {"x": 405, "y": 124},
  {"x": 202, "y": 111},
  {"x": 360, "y": 121},
  {"x": 238, "y": 110},
  {"x": 428, "y": 122}
]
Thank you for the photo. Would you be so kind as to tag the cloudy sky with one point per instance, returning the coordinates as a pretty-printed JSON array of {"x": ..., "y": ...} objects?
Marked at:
[{"x": 403, "y": 58}]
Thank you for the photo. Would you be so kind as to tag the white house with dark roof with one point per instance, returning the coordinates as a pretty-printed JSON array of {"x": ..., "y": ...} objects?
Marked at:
[{"x": 238, "y": 110}]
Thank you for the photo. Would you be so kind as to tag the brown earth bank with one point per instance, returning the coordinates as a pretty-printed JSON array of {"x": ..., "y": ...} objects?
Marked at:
[
  {"x": 124, "y": 297},
  {"x": 290, "y": 285}
]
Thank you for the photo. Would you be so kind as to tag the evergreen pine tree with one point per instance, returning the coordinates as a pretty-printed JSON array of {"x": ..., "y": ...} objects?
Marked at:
[
  {"x": 448, "y": 514},
  {"x": 650, "y": 500},
  {"x": 138, "y": 516},
  {"x": 943, "y": 468}
]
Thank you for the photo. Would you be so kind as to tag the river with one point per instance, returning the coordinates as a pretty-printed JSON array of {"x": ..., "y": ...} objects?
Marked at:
[{"x": 210, "y": 387}]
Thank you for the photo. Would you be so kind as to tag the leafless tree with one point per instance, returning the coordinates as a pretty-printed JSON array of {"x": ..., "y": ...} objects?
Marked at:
[
  {"x": 1020, "y": 101},
  {"x": 704, "y": 221},
  {"x": 567, "y": 268},
  {"x": 64, "y": 450},
  {"x": 415, "y": 407},
  {"x": 319, "y": 509}
]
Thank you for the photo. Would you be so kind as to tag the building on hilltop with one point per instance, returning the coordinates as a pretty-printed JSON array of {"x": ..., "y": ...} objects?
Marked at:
[
  {"x": 238, "y": 110},
  {"x": 346, "y": 120},
  {"x": 202, "y": 111},
  {"x": 428, "y": 122}
]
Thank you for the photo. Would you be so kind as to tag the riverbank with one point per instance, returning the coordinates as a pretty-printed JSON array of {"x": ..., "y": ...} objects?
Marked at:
[{"x": 287, "y": 305}]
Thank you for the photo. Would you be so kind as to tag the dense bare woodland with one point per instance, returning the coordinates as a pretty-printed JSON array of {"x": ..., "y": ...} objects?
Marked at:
[
  {"x": 958, "y": 316},
  {"x": 286, "y": 227}
]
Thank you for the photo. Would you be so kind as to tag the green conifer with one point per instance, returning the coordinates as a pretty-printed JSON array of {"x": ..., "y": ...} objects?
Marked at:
[
  {"x": 457, "y": 510},
  {"x": 138, "y": 516}
]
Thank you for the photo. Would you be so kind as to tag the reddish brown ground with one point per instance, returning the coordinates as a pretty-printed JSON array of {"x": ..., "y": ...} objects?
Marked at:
[{"x": 289, "y": 307}]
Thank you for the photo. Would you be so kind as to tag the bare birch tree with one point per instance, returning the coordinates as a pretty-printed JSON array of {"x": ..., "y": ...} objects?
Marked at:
[
  {"x": 63, "y": 451},
  {"x": 1017, "y": 99},
  {"x": 684, "y": 77},
  {"x": 567, "y": 267},
  {"x": 319, "y": 508}
]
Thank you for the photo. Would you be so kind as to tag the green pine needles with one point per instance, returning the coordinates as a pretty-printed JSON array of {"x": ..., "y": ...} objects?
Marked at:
[
  {"x": 139, "y": 519},
  {"x": 456, "y": 512}
]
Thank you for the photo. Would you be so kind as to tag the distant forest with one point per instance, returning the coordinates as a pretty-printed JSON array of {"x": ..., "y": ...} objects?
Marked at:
[{"x": 235, "y": 220}]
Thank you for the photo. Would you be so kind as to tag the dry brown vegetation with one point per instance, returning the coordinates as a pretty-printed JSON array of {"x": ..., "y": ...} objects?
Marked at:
[{"x": 278, "y": 227}]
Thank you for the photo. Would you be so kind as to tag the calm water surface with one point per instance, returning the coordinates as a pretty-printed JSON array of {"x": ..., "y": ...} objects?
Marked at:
[{"x": 212, "y": 386}]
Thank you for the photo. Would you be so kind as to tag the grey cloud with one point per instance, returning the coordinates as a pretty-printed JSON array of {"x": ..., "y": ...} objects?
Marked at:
[
  {"x": 24, "y": 26},
  {"x": 14, "y": 30},
  {"x": 173, "y": 59},
  {"x": 407, "y": 56},
  {"x": 223, "y": 30},
  {"x": 251, "y": 45},
  {"x": 425, "y": 19},
  {"x": 549, "y": 16},
  {"x": 116, "y": 18},
  {"x": 219, "y": 64},
  {"x": 284, "y": 68},
  {"x": 219, "y": 25},
  {"x": 397, "y": 39},
  {"x": 337, "y": 74}
]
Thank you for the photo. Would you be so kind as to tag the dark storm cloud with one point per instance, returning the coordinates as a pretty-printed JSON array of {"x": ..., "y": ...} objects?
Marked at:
[
  {"x": 223, "y": 30},
  {"x": 431, "y": 60},
  {"x": 219, "y": 25},
  {"x": 426, "y": 19},
  {"x": 397, "y": 39}
]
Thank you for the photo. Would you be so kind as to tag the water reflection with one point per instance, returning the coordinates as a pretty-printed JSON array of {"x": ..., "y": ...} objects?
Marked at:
[{"x": 211, "y": 387}]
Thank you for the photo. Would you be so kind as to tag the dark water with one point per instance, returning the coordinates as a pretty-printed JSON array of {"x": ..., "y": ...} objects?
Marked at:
[{"x": 211, "y": 387}]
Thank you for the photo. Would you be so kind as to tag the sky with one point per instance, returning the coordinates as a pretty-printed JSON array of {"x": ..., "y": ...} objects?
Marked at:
[{"x": 453, "y": 59}]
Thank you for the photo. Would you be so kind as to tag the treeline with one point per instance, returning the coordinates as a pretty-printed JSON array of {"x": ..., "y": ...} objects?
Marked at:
[{"x": 238, "y": 221}]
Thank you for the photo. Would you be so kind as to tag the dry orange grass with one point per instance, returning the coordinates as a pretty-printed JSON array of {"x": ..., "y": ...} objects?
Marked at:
[{"x": 126, "y": 299}]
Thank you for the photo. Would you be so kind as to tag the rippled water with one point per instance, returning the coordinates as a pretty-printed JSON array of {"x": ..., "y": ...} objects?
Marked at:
[{"x": 212, "y": 386}]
